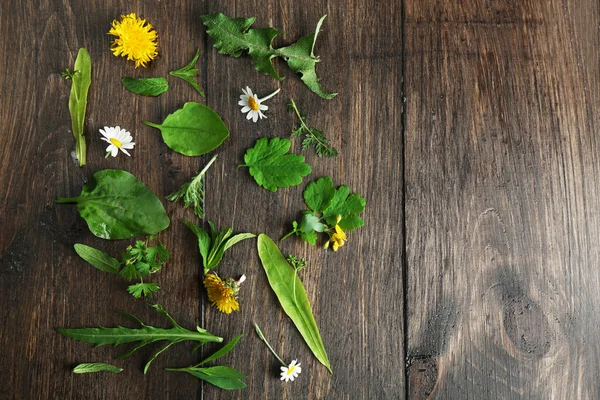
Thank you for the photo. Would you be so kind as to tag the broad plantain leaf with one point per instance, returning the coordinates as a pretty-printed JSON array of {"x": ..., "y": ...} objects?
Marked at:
[
  {"x": 87, "y": 368},
  {"x": 192, "y": 130},
  {"x": 291, "y": 294},
  {"x": 98, "y": 259},
  {"x": 151, "y": 87},
  {"x": 116, "y": 205},
  {"x": 233, "y": 36},
  {"x": 271, "y": 167}
]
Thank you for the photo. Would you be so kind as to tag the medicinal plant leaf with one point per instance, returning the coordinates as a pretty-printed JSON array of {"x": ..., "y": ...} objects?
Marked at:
[
  {"x": 98, "y": 259},
  {"x": 271, "y": 167},
  {"x": 291, "y": 294},
  {"x": 319, "y": 194},
  {"x": 192, "y": 192},
  {"x": 233, "y": 36},
  {"x": 143, "y": 335},
  {"x": 151, "y": 87},
  {"x": 116, "y": 205},
  {"x": 224, "y": 377},
  {"x": 192, "y": 130},
  {"x": 313, "y": 137},
  {"x": 143, "y": 289},
  {"x": 213, "y": 246},
  {"x": 81, "y": 79},
  {"x": 87, "y": 368},
  {"x": 188, "y": 73}
]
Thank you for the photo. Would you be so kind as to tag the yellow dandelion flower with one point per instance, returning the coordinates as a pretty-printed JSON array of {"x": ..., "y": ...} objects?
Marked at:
[
  {"x": 338, "y": 239},
  {"x": 136, "y": 39},
  {"x": 223, "y": 293}
]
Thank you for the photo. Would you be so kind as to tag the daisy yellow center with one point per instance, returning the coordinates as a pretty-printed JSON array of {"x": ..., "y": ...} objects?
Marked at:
[
  {"x": 291, "y": 370},
  {"x": 253, "y": 104},
  {"x": 116, "y": 142},
  {"x": 136, "y": 39}
]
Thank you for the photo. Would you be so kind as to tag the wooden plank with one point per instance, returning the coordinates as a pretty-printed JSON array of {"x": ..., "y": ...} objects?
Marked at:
[
  {"x": 43, "y": 283},
  {"x": 501, "y": 176}
]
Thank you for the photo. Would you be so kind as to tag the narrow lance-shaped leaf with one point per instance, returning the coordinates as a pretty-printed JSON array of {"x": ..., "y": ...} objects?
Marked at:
[
  {"x": 192, "y": 130},
  {"x": 98, "y": 259},
  {"x": 81, "y": 81},
  {"x": 144, "y": 335},
  {"x": 116, "y": 205},
  {"x": 291, "y": 295},
  {"x": 151, "y": 87},
  {"x": 87, "y": 368}
]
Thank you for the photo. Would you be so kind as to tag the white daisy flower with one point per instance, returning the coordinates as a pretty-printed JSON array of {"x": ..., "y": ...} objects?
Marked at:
[
  {"x": 251, "y": 104},
  {"x": 291, "y": 371},
  {"x": 119, "y": 139}
]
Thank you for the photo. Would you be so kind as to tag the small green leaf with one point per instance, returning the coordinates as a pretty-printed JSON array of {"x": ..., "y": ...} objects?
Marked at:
[
  {"x": 311, "y": 223},
  {"x": 188, "y": 73},
  {"x": 143, "y": 289},
  {"x": 98, "y": 259},
  {"x": 151, "y": 87},
  {"x": 81, "y": 81},
  {"x": 87, "y": 368},
  {"x": 222, "y": 351},
  {"x": 271, "y": 167},
  {"x": 291, "y": 295},
  {"x": 319, "y": 194},
  {"x": 347, "y": 205},
  {"x": 193, "y": 192},
  {"x": 223, "y": 377},
  {"x": 192, "y": 130},
  {"x": 116, "y": 205}
]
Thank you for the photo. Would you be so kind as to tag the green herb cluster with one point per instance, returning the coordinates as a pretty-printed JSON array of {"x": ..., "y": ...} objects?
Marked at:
[{"x": 312, "y": 137}]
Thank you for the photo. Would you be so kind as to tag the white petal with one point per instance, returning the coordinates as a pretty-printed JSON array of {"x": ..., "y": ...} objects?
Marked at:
[
  {"x": 125, "y": 151},
  {"x": 250, "y": 114},
  {"x": 245, "y": 109},
  {"x": 255, "y": 117},
  {"x": 242, "y": 103},
  {"x": 128, "y": 145},
  {"x": 261, "y": 115},
  {"x": 106, "y": 140},
  {"x": 263, "y": 107},
  {"x": 114, "y": 151},
  {"x": 105, "y": 133},
  {"x": 249, "y": 91}
]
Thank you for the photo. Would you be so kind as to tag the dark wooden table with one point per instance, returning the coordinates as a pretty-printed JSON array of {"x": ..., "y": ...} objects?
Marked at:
[{"x": 470, "y": 127}]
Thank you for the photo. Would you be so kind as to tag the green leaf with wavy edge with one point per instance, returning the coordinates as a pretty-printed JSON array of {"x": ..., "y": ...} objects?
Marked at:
[
  {"x": 150, "y": 87},
  {"x": 81, "y": 80},
  {"x": 291, "y": 295},
  {"x": 87, "y": 368},
  {"x": 233, "y": 36},
  {"x": 144, "y": 335},
  {"x": 271, "y": 166},
  {"x": 188, "y": 73},
  {"x": 116, "y": 205},
  {"x": 192, "y": 130}
]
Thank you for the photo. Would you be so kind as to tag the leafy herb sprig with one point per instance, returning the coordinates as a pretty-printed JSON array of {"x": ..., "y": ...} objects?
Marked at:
[
  {"x": 188, "y": 73},
  {"x": 233, "y": 36},
  {"x": 313, "y": 137},
  {"x": 137, "y": 262},
  {"x": 87, "y": 368},
  {"x": 224, "y": 377},
  {"x": 193, "y": 191},
  {"x": 212, "y": 246},
  {"x": 145, "y": 335}
]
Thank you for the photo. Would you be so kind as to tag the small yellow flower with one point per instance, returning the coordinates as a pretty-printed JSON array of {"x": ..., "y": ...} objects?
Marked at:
[
  {"x": 223, "y": 293},
  {"x": 338, "y": 239},
  {"x": 136, "y": 39}
]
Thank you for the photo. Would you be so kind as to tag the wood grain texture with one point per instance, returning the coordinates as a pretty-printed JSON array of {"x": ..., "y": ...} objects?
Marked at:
[
  {"x": 501, "y": 177},
  {"x": 356, "y": 293}
]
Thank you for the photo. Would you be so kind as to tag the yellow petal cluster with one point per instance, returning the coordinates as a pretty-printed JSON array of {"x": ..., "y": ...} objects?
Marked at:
[
  {"x": 136, "y": 39},
  {"x": 222, "y": 294},
  {"x": 338, "y": 239}
]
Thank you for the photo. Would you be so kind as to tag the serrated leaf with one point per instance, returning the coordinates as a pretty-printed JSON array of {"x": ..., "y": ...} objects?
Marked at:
[
  {"x": 98, "y": 259},
  {"x": 271, "y": 167},
  {"x": 192, "y": 130},
  {"x": 347, "y": 205},
  {"x": 233, "y": 36},
  {"x": 143, "y": 289},
  {"x": 151, "y": 87},
  {"x": 87, "y": 368},
  {"x": 319, "y": 194},
  {"x": 300, "y": 58},
  {"x": 188, "y": 73},
  {"x": 291, "y": 295},
  {"x": 311, "y": 237}
]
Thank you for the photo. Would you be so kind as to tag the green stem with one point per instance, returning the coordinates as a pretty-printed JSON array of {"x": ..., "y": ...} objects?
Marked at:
[
  {"x": 287, "y": 235},
  {"x": 262, "y": 337},
  {"x": 308, "y": 131},
  {"x": 80, "y": 150},
  {"x": 152, "y": 124},
  {"x": 66, "y": 200}
]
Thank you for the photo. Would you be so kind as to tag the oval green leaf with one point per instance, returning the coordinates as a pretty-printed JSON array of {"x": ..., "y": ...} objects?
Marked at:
[
  {"x": 291, "y": 294},
  {"x": 151, "y": 87},
  {"x": 87, "y": 368},
  {"x": 192, "y": 130},
  {"x": 98, "y": 259},
  {"x": 116, "y": 205}
]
